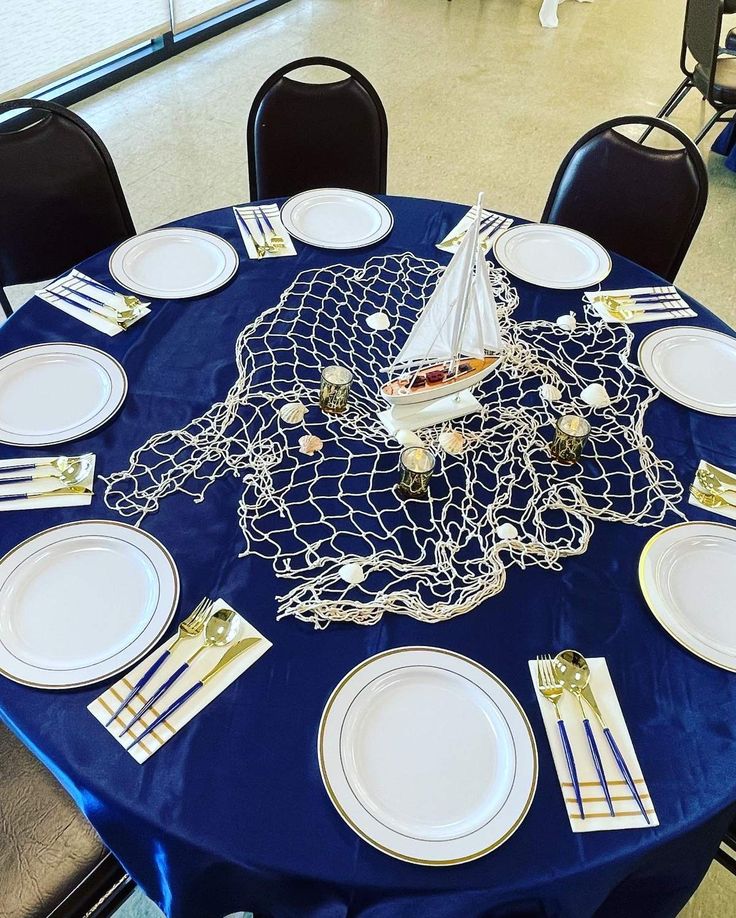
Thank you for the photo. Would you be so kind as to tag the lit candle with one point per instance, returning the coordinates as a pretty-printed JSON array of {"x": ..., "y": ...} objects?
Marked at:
[
  {"x": 334, "y": 389},
  {"x": 571, "y": 435},
  {"x": 416, "y": 465}
]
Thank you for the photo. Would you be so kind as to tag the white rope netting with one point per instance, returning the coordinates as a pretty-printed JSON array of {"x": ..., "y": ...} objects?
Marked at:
[{"x": 314, "y": 514}]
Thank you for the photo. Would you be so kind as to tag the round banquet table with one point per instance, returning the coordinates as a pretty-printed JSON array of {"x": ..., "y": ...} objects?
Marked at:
[{"x": 231, "y": 814}]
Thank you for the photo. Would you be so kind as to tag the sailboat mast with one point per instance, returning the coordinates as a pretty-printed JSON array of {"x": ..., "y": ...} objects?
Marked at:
[{"x": 462, "y": 321}]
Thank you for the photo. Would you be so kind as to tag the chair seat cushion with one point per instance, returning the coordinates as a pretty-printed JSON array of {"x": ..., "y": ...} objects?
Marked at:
[
  {"x": 47, "y": 847},
  {"x": 724, "y": 85}
]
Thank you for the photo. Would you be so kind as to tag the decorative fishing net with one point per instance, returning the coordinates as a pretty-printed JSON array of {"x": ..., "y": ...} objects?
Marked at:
[{"x": 434, "y": 559}]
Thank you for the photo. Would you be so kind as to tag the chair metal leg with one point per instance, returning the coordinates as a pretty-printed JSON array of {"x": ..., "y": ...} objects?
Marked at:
[
  {"x": 5, "y": 303},
  {"x": 709, "y": 124},
  {"x": 670, "y": 105}
]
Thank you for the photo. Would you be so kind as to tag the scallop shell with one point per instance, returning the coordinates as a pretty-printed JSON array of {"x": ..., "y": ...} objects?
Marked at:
[
  {"x": 568, "y": 321},
  {"x": 596, "y": 396},
  {"x": 507, "y": 531},
  {"x": 309, "y": 444},
  {"x": 378, "y": 321},
  {"x": 452, "y": 441},
  {"x": 352, "y": 573},
  {"x": 292, "y": 412},
  {"x": 550, "y": 393},
  {"x": 409, "y": 438}
]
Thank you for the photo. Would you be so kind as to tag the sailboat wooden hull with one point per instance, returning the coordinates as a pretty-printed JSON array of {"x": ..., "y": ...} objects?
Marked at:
[{"x": 473, "y": 370}]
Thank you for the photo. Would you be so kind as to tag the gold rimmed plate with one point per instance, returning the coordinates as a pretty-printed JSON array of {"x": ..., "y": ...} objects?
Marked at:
[
  {"x": 427, "y": 756},
  {"x": 687, "y": 574},
  {"x": 83, "y": 601}
]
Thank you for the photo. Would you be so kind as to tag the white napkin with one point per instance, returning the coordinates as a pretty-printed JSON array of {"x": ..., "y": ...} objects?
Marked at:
[
  {"x": 38, "y": 486},
  {"x": 248, "y": 214},
  {"x": 487, "y": 235},
  {"x": 597, "y": 816},
  {"x": 103, "y": 706},
  {"x": 730, "y": 477},
  {"x": 80, "y": 282},
  {"x": 680, "y": 309}
]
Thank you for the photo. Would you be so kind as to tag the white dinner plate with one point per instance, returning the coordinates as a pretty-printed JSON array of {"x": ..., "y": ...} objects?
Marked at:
[
  {"x": 174, "y": 263},
  {"x": 688, "y": 576},
  {"x": 427, "y": 756},
  {"x": 83, "y": 601},
  {"x": 552, "y": 256},
  {"x": 53, "y": 393},
  {"x": 337, "y": 218},
  {"x": 693, "y": 366}
]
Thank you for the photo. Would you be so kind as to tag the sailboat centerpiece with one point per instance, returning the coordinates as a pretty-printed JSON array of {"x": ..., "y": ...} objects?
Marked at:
[{"x": 454, "y": 344}]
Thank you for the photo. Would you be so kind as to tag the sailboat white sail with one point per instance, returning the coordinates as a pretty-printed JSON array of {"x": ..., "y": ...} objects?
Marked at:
[{"x": 456, "y": 341}]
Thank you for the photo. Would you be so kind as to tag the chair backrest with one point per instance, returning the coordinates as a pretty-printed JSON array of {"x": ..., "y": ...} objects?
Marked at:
[
  {"x": 60, "y": 197},
  {"x": 314, "y": 135},
  {"x": 702, "y": 33},
  {"x": 639, "y": 201}
]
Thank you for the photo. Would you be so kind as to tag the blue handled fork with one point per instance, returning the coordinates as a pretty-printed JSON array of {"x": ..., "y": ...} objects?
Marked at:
[
  {"x": 192, "y": 626},
  {"x": 224, "y": 661}
]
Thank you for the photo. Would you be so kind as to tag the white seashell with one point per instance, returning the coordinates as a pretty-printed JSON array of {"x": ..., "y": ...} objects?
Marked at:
[
  {"x": 452, "y": 442},
  {"x": 507, "y": 531},
  {"x": 409, "y": 438},
  {"x": 596, "y": 396},
  {"x": 550, "y": 393},
  {"x": 292, "y": 412},
  {"x": 568, "y": 321},
  {"x": 352, "y": 573},
  {"x": 309, "y": 444},
  {"x": 378, "y": 321}
]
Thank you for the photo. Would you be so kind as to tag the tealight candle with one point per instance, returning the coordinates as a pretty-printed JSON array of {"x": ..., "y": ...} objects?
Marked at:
[
  {"x": 416, "y": 465},
  {"x": 571, "y": 435},
  {"x": 334, "y": 389}
]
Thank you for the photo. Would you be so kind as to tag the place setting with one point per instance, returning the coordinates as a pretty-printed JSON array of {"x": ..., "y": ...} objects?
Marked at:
[
  {"x": 264, "y": 235},
  {"x": 147, "y": 707},
  {"x": 50, "y": 481},
  {"x": 93, "y": 303},
  {"x": 601, "y": 782},
  {"x": 714, "y": 489},
  {"x": 640, "y": 304},
  {"x": 491, "y": 225}
]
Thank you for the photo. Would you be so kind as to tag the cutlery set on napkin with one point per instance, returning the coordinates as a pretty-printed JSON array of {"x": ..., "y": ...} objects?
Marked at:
[
  {"x": 264, "y": 235},
  {"x": 162, "y": 693},
  {"x": 715, "y": 489},
  {"x": 593, "y": 799},
  {"x": 94, "y": 304},
  {"x": 50, "y": 481},
  {"x": 492, "y": 224},
  {"x": 639, "y": 304}
]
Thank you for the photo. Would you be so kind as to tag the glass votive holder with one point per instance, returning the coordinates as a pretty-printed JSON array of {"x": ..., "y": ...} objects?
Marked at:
[
  {"x": 334, "y": 389},
  {"x": 571, "y": 435},
  {"x": 416, "y": 465}
]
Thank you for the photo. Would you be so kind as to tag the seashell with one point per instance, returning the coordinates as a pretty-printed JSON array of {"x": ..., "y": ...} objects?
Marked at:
[
  {"x": 378, "y": 321},
  {"x": 507, "y": 531},
  {"x": 309, "y": 444},
  {"x": 452, "y": 442},
  {"x": 292, "y": 412},
  {"x": 550, "y": 393},
  {"x": 352, "y": 573},
  {"x": 568, "y": 321},
  {"x": 409, "y": 438},
  {"x": 596, "y": 396}
]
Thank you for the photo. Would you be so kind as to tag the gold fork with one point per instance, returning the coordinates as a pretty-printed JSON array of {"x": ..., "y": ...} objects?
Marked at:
[
  {"x": 192, "y": 626},
  {"x": 552, "y": 687},
  {"x": 711, "y": 482},
  {"x": 708, "y": 499}
]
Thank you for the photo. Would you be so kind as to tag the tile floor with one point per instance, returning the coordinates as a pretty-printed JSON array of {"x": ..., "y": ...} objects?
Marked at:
[{"x": 478, "y": 97}]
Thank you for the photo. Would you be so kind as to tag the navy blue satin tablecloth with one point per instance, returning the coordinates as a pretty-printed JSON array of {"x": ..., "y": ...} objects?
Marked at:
[{"x": 232, "y": 813}]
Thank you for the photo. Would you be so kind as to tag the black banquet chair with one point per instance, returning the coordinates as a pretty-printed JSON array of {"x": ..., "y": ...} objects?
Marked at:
[
  {"x": 316, "y": 135},
  {"x": 714, "y": 70},
  {"x": 60, "y": 196},
  {"x": 639, "y": 201},
  {"x": 52, "y": 863}
]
